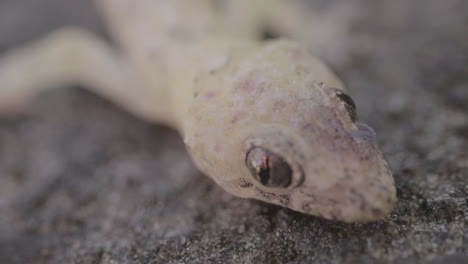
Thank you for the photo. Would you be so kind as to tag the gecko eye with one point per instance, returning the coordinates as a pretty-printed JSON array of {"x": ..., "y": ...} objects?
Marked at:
[
  {"x": 268, "y": 168},
  {"x": 349, "y": 105}
]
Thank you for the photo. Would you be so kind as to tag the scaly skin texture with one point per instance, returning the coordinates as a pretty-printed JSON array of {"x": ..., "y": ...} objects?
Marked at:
[{"x": 199, "y": 67}]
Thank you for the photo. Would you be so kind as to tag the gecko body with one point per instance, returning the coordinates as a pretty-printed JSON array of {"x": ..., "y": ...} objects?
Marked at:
[{"x": 264, "y": 119}]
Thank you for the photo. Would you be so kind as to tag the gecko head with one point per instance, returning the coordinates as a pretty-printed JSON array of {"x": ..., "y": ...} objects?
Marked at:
[
  {"x": 311, "y": 155},
  {"x": 280, "y": 136},
  {"x": 321, "y": 162}
]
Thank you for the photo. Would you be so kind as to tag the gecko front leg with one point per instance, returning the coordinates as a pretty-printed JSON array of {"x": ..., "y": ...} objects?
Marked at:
[{"x": 79, "y": 57}]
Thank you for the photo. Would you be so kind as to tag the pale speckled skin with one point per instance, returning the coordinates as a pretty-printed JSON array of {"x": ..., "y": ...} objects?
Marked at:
[{"x": 198, "y": 66}]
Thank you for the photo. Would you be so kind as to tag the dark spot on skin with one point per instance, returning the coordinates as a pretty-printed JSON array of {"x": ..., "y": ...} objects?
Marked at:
[
  {"x": 265, "y": 194},
  {"x": 267, "y": 33},
  {"x": 245, "y": 184},
  {"x": 284, "y": 199},
  {"x": 306, "y": 207}
]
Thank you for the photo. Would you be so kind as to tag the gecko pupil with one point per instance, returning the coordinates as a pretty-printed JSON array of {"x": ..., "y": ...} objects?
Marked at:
[
  {"x": 264, "y": 169},
  {"x": 268, "y": 168},
  {"x": 349, "y": 105}
]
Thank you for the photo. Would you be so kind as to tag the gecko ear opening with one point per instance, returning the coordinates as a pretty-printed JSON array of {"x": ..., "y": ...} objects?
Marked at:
[{"x": 268, "y": 168}]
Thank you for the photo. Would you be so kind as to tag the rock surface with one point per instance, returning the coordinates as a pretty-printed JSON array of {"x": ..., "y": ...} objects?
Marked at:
[{"x": 82, "y": 181}]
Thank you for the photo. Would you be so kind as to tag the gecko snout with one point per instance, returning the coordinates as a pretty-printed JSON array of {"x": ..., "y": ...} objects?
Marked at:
[{"x": 349, "y": 192}]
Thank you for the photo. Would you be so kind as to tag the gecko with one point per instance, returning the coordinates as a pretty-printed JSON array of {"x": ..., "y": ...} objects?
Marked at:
[{"x": 264, "y": 119}]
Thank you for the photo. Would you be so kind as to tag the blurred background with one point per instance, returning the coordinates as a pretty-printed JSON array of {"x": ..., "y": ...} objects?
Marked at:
[{"x": 82, "y": 181}]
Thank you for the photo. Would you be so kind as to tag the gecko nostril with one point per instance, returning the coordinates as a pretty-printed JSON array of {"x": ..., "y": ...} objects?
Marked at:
[{"x": 349, "y": 105}]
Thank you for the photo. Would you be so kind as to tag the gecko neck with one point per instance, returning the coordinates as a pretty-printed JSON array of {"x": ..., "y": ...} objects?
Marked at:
[{"x": 198, "y": 64}]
